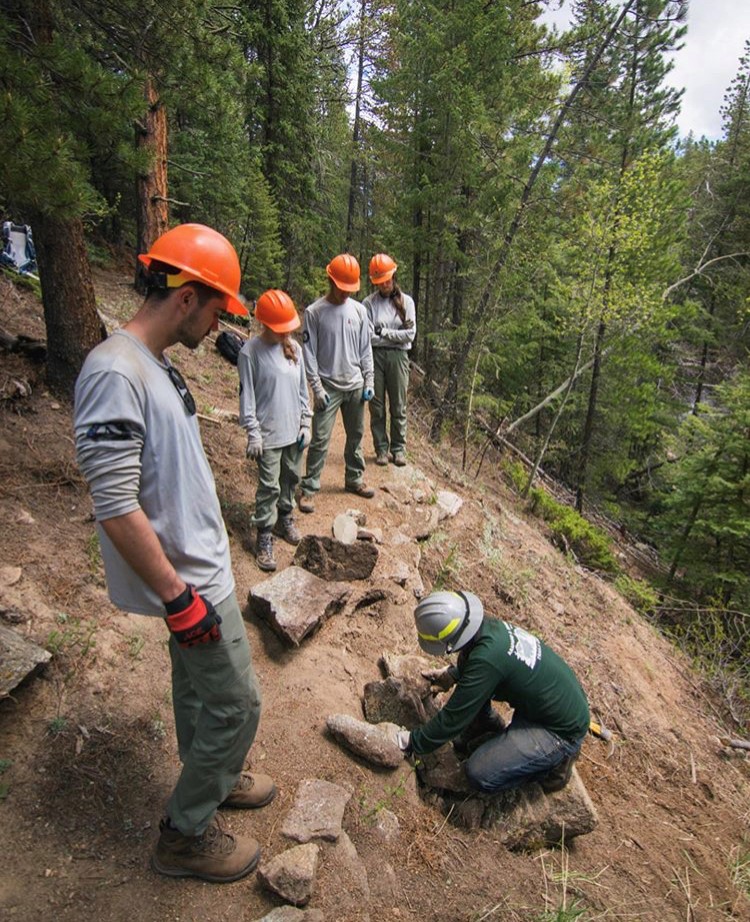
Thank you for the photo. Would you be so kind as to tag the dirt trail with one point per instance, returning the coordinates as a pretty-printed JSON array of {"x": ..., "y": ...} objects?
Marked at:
[{"x": 90, "y": 749}]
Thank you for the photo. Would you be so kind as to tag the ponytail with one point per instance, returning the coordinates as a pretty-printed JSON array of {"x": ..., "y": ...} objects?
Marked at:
[
  {"x": 289, "y": 349},
  {"x": 397, "y": 298}
]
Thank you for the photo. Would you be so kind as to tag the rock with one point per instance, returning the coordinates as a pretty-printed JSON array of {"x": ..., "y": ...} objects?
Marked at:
[
  {"x": 345, "y": 855},
  {"x": 387, "y": 827},
  {"x": 399, "y": 491},
  {"x": 13, "y": 616},
  {"x": 441, "y": 771},
  {"x": 448, "y": 504},
  {"x": 397, "y": 701},
  {"x": 25, "y": 518},
  {"x": 18, "y": 658},
  {"x": 332, "y": 560},
  {"x": 317, "y": 811},
  {"x": 373, "y": 742},
  {"x": 370, "y": 534},
  {"x": 345, "y": 529},
  {"x": 295, "y": 602},
  {"x": 292, "y": 873},
  {"x": 9, "y": 576},
  {"x": 422, "y": 523},
  {"x": 408, "y": 666},
  {"x": 359, "y": 517},
  {"x": 292, "y": 914}
]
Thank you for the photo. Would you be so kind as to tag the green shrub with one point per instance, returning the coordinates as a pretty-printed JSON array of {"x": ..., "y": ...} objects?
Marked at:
[
  {"x": 641, "y": 595},
  {"x": 571, "y": 531}
]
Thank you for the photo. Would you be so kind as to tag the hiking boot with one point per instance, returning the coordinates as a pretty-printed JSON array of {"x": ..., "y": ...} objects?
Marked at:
[
  {"x": 250, "y": 792},
  {"x": 287, "y": 530},
  {"x": 559, "y": 776},
  {"x": 216, "y": 855},
  {"x": 360, "y": 489},
  {"x": 305, "y": 502},
  {"x": 381, "y": 458},
  {"x": 399, "y": 459},
  {"x": 264, "y": 550}
]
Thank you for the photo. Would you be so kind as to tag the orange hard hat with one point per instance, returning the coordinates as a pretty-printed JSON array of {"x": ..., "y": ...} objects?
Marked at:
[
  {"x": 382, "y": 268},
  {"x": 343, "y": 270},
  {"x": 203, "y": 255},
  {"x": 275, "y": 309}
]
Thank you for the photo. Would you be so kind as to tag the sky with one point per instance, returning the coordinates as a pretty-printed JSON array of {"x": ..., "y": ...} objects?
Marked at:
[{"x": 706, "y": 65}]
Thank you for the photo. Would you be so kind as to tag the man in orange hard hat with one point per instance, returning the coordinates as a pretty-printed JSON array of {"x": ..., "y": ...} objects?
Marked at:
[
  {"x": 339, "y": 367},
  {"x": 165, "y": 547}
]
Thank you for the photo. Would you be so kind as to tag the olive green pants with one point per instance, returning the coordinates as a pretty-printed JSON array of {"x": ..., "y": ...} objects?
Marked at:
[
  {"x": 216, "y": 701},
  {"x": 391, "y": 382},
  {"x": 278, "y": 476},
  {"x": 353, "y": 416}
]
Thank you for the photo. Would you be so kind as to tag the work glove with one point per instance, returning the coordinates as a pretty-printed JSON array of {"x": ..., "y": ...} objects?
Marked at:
[
  {"x": 367, "y": 394},
  {"x": 320, "y": 399},
  {"x": 407, "y": 325},
  {"x": 192, "y": 619},
  {"x": 254, "y": 447},
  {"x": 442, "y": 678},
  {"x": 378, "y": 328},
  {"x": 303, "y": 437},
  {"x": 403, "y": 741}
]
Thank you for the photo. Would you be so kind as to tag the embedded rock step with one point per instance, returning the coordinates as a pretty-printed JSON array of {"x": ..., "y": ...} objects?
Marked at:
[
  {"x": 317, "y": 812},
  {"x": 292, "y": 873},
  {"x": 331, "y": 560},
  {"x": 398, "y": 701}
]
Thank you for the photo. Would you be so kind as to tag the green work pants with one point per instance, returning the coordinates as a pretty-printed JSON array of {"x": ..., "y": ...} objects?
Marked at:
[
  {"x": 216, "y": 702},
  {"x": 391, "y": 381},
  {"x": 278, "y": 476},
  {"x": 353, "y": 415}
]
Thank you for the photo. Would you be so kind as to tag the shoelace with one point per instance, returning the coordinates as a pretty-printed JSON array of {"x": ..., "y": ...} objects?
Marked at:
[{"x": 216, "y": 839}]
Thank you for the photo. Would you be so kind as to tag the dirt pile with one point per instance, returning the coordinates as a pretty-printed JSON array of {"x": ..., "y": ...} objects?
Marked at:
[{"x": 87, "y": 753}]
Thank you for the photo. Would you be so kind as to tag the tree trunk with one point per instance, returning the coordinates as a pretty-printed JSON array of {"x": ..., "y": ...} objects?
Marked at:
[
  {"x": 73, "y": 324},
  {"x": 152, "y": 208},
  {"x": 356, "y": 131},
  {"x": 588, "y": 428}
]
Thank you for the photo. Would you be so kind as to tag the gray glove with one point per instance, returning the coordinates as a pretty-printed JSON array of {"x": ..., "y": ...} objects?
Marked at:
[
  {"x": 320, "y": 399},
  {"x": 254, "y": 447},
  {"x": 303, "y": 437},
  {"x": 442, "y": 678},
  {"x": 407, "y": 325}
]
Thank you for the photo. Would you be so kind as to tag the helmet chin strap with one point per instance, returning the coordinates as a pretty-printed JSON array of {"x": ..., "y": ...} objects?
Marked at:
[{"x": 449, "y": 647}]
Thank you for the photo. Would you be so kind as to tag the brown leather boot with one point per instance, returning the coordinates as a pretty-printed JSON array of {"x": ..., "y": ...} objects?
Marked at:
[
  {"x": 251, "y": 791},
  {"x": 216, "y": 855}
]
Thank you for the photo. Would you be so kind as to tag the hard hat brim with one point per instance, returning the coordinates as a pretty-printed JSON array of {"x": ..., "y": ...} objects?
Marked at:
[
  {"x": 284, "y": 327},
  {"x": 344, "y": 286},
  {"x": 379, "y": 279},
  {"x": 234, "y": 304}
]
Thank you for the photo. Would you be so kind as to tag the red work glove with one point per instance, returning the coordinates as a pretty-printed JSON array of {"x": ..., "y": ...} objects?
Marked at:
[{"x": 192, "y": 619}]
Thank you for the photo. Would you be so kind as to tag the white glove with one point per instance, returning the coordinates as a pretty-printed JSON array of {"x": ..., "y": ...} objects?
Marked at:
[
  {"x": 442, "y": 678},
  {"x": 403, "y": 740},
  {"x": 320, "y": 399},
  {"x": 254, "y": 447}
]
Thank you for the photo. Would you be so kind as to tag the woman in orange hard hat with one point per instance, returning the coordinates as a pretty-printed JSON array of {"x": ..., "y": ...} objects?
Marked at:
[
  {"x": 275, "y": 413},
  {"x": 393, "y": 325},
  {"x": 338, "y": 362}
]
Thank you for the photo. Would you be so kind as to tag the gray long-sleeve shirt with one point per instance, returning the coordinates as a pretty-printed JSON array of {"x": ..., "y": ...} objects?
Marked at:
[
  {"x": 337, "y": 345},
  {"x": 139, "y": 448},
  {"x": 382, "y": 312},
  {"x": 273, "y": 393}
]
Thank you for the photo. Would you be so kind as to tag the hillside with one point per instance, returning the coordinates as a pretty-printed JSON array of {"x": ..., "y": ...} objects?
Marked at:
[{"x": 87, "y": 747}]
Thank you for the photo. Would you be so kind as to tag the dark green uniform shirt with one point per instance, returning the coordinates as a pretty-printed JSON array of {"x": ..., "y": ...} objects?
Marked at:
[{"x": 507, "y": 663}]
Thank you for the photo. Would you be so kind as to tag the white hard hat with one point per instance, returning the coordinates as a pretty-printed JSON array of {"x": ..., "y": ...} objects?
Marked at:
[{"x": 447, "y": 621}]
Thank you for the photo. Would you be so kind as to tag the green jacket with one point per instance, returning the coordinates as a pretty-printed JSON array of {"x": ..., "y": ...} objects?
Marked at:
[{"x": 507, "y": 663}]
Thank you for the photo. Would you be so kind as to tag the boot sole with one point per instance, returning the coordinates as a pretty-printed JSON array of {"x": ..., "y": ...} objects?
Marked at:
[
  {"x": 245, "y": 806},
  {"x": 168, "y": 871}
]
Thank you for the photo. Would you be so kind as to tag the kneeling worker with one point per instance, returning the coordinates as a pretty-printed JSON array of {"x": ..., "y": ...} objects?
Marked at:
[{"x": 499, "y": 661}]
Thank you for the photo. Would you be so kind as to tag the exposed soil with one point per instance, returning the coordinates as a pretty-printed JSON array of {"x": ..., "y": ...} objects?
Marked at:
[{"x": 88, "y": 745}]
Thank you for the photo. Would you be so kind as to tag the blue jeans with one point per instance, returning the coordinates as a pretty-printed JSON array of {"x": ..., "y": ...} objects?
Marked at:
[{"x": 523, "y": 752}]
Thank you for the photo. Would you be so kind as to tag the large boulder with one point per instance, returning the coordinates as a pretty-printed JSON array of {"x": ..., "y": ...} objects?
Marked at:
[
  {"x": 295, "y": 602},
  {"x": 331, "y": 560},
  {"x": 374, "y": 743}
]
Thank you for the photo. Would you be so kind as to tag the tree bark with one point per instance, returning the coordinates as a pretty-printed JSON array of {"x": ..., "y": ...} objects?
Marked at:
[
  {"x": 354, "y": 171},
  {"x": 73, "y": 324},
  {"x": 152, "y": 205}
]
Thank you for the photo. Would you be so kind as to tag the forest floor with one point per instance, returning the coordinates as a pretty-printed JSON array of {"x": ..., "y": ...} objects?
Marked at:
[{"x": 87, "y": 749}]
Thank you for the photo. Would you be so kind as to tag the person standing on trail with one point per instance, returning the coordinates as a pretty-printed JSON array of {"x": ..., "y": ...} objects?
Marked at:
[
  {"x": 165, "y": 546},
  {"x": 275, "y": 413},
  {"x": 338, "y": 362},
  {"x": 393, "y": 326},
  {"x": 498, "y": 661}
]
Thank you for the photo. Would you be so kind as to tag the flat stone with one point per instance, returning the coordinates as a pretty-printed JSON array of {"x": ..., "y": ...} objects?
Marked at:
[
  {"x": 398, "y": 701},
  {"x": 399, "y": 491},
  {"x": 346, "y": 857},
  {"x": 422, "y": 523},
  {"x": 317, "y": 812},
  {"x": 345, "y": 529},
  {"x": 441, "y": 771},
  {"x": 295, "y": 602},
  {"x": 292, "y": 914},
  {"x": 376, "y": 743},
  {"x": 387, "y": 827},
  {"x": 370, "y": 534},
  {"x": 18, "y": 658},
  {"x": 331, "y": 560},
  {"x": 448, "y": 504},
  {"x": 292, "y": 873},
  {"x": 9, "y": 576}
]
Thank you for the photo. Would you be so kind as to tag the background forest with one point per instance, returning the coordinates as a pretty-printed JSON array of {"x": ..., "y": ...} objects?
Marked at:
[{"x": 581, "y": 275}]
